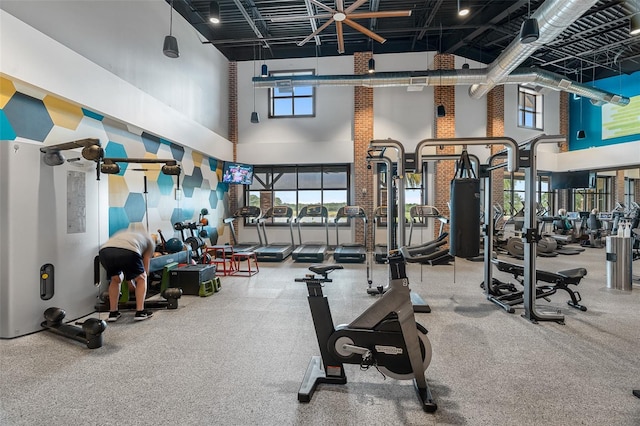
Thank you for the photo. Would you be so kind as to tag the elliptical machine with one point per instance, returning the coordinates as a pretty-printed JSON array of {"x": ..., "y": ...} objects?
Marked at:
[{"x": 385, "y": 335}]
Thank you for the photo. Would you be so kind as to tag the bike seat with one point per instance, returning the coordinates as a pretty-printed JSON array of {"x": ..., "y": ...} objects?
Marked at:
[{"x": 324, "y": 269}]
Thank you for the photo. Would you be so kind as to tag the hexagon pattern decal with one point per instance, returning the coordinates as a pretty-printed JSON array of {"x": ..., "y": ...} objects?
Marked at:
[{"x": 140, "y": 193}]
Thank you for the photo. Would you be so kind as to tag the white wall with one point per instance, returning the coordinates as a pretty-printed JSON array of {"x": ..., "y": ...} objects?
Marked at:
[
  {"x": 325, "y": 138},
  {"x": 99, "y": 82}
]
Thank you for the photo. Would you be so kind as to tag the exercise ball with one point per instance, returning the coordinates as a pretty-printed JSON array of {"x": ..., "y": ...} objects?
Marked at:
[{"x": 174, "y": 245}]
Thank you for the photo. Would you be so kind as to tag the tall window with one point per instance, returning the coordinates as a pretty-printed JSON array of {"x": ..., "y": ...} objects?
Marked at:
[
  {"x": 414, "y": 187},
  {"x": 629, "y": 191},
  {"x": 586, "y": 199},
  {"x": 529, "y": 108},
  {"x": 291, "y": 101},
  {"x": 514, "y": 194},
  {"x": 300, "y": 186}
]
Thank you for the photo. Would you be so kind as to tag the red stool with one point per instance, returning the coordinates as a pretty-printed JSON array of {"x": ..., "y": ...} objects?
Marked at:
[
  {"x": 222, "y": 258},
  {"x": 243, "y": 256}
]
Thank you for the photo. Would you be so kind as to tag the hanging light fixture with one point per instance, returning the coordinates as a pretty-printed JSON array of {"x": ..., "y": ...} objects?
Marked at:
[
  {"x": 170, "y": 47},
  {"x": 371, "y": 66},
  {"x": 635, "y": 24},
  {"x": 581, "y": 134},
  {"x": 214, "y": 12},
  {"x": 440, "y": 110},
  {"x": 462, "y": 11},
  {"x": 255, "y": 118},
  {"x": 529, "y": 31}
]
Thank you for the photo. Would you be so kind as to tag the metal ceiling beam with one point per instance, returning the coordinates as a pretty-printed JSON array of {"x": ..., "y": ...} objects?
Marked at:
[
  {"x": 249, "y": 20},
  {"x": 427, "y": 22},
  {"x": 490, "y": 25},
  {"x": 312, "y": 21},
  {"x": 553, "y": 17}
]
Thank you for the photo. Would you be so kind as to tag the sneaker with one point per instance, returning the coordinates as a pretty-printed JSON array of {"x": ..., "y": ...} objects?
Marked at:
[
  {"x": 142, "y": 315},
  {"x": 113, "y": 316}
]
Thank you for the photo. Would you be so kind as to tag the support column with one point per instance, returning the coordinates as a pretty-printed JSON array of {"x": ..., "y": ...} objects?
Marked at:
[
  {"x": 362, "y": 135},
  {"x": 495, "y": 128},
  {"x": 233, "y": 135},
  {"x": 445, "y": 127}
]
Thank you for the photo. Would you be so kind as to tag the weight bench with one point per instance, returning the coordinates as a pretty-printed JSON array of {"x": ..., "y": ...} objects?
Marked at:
[{"x": 553, "y": 281}]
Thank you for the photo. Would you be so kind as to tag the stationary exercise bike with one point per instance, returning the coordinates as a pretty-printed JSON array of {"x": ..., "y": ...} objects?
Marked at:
[{"x": 385, "y": 336}]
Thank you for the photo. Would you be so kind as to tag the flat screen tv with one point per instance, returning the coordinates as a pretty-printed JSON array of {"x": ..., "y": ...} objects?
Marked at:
[
  {"x": 237, "y": 173},
  {"x": 570, "y": 180}
]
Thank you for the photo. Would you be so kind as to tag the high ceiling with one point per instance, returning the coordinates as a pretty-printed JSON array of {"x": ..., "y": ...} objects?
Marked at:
[{"x": 596, "y": 45}]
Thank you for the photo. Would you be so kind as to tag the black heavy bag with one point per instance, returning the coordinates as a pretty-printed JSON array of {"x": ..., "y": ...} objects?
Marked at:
[{"x": 464, "y": 240}]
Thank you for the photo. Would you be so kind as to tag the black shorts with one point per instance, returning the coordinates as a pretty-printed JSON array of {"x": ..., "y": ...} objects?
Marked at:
[{"x": 117, "y": 260}]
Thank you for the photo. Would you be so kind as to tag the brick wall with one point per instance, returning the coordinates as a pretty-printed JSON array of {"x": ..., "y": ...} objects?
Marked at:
[
  {"x": 618, "y": 187},
  {"x": 362, "y": 135},
  {"x": 233, "y": 132},
  {"x": 564, "y": 120},
  {"x": 445, "y": 127},
  {"x": 495, "y": 128}
]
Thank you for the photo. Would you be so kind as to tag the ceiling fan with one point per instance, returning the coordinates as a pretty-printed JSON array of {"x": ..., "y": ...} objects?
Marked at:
[{"x": 340, "y": 15}]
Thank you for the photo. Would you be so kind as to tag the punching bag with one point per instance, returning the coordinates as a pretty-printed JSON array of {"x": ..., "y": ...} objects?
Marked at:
[{"x": 464, "y": 228}]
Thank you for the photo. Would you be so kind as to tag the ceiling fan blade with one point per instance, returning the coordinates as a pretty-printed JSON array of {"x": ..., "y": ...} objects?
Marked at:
[
  {"x": 340, "y": 5},
  {"x": 354, "y": 6},
  {"x": 364, "y": 30},
  {"x": 300, "y": 17},
  {"x": 390, "y": 14},
  {"x": 322, "y": 6},
  {"x": 340, "y": 37},
  {"x": 316, "y": 32}
]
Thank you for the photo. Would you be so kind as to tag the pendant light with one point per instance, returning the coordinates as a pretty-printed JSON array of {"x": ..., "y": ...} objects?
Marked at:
[
  {"x": 529, "y": 31},
  {"x": 440, "y": 111},
  {"x": 581, "y": 134},
  {"x": 214, "y": 12},
  {"x": 170, "y": 47},
  {"x": 255, "y": 118},
  {"x": 462, "y": 11}
]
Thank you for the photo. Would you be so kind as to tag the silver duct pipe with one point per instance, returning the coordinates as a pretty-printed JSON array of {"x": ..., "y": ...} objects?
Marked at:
[
  {"x": 554, "y": 16},
  {"x": 534, "y": 76}
]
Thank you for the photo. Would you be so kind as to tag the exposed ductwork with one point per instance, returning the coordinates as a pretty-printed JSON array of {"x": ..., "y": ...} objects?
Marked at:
[
  {"x": 553, "y": 17},
  {"x": 533, "y": 76}
]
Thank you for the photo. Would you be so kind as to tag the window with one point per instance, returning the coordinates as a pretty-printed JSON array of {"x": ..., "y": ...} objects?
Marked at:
[
  {"x": 529, "y": 108},
  {"x": 585, "y": 199},
  {"x": 514, "y": 195},
  {"x": 414, "y": 192},
  {"x": 287, "y": 101},
  {"x": 629, "y": 191},
  {"x": 300, "y": 186}
]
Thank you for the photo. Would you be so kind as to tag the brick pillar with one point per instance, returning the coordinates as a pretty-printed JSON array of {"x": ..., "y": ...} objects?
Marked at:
[
  {"x": 233, "y": 133},
  {"x": 495, "y": 128},
  {"x": 619, "y": 187},
  {"x": 362, "y": 135},
  {"x": 564, "y": 120},
  {"x": 445, "y": 127},
  {"x": 636, "y": 195}
]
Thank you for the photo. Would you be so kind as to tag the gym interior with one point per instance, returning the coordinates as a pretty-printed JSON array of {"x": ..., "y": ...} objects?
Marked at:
[{"x": 502, "y": 287}]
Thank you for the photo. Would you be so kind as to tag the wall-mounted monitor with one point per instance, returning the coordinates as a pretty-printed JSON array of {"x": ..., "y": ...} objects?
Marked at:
[
  {"x": 237, "y": 173},
  {"x": 571, "y": 180}
]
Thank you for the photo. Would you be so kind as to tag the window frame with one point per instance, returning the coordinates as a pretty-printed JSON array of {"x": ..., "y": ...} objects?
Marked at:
[
  {"x": 274, "y": 173},
  {"x": 525, "y": 113},
  {"x": 273, "y": 95}
]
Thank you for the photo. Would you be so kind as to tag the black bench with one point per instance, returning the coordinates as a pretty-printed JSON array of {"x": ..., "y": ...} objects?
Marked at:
[{"x": 552, "y": 282}]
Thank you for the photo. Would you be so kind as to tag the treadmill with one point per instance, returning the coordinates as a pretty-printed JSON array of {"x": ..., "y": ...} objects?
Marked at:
[
  {"x": 252, "y": 213},
  {"x": 312, "y": 251},
  {"x": 350, "y": 252},
  {"x": 275, "y": 252}
]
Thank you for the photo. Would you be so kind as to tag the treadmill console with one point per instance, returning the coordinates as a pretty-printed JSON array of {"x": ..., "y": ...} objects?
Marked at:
[
  {"x": 353, "y": 211},
  {"x": 605, "y": 216},
  {"x": 573, "y": 215}
]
